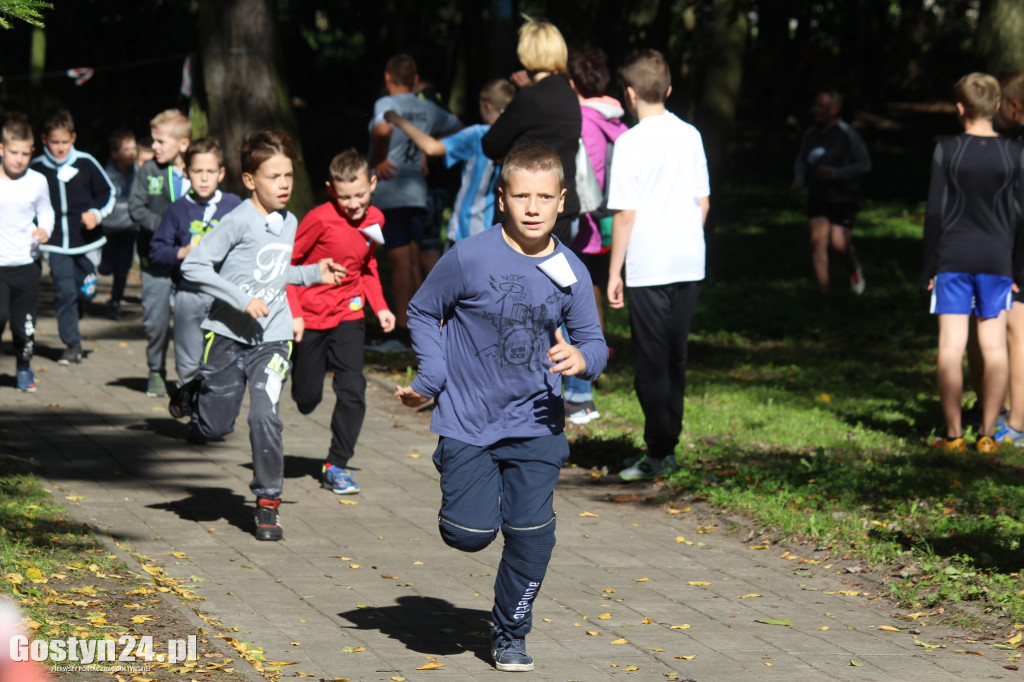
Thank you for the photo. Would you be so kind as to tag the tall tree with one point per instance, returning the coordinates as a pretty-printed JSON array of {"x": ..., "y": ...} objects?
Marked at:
[
  {"x": 1000, "y": 36},
  {"x": 244, "y": 83}
]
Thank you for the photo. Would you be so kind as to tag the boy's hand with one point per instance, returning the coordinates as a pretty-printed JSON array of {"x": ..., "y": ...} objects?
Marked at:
[
  {"x": 521, "y": 79},
  {"x": 257, "y": 308},
  {"x": 615, "y": 291},
  {"x": 39, "y": 235},
  {"x": 409, "y": 397},
  {"x": 298, "y": 328},
  {"x": 931, "y": 284},
  {"x": 387, "y": 320},
  {"x": 185, "y": 250},
  {"x": 391, "y": 116},
  {"x": 90, "y": 220},
  {"x": 331, "y": 272},
  {"x": 385, "y": 170},
  {"x": 569, "y": 359}
]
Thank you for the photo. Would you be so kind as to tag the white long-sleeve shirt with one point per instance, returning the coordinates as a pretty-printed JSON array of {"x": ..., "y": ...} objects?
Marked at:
[{"x": 24, "y": 206}]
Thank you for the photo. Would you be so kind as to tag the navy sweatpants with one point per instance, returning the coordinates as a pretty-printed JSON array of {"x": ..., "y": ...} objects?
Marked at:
[
  {"x": 227, "y": 367},
  {"x": 507, "y": 486}
]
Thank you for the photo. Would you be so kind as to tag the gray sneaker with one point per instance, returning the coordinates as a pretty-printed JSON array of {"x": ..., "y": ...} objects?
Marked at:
[
  {"x": 155, "y": 387},
  {"x": 648, "y": 468}
]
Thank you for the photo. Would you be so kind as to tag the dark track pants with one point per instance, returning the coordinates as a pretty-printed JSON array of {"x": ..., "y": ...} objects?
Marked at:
[
  {"x": 70, "y": 274},
  {"x": 508, "y": 486},
  {"x": 339, "y": 350},
  {"x": 660, "y": 317},
  {"x": 19, "y": 286},
  {"x": 227, "y": 367}
]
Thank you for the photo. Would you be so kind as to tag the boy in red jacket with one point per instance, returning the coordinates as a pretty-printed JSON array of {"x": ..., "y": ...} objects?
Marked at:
[{"x": 329, "y": 321}]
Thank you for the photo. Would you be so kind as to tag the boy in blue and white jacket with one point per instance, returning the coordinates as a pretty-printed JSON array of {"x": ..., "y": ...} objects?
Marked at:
[
  {"x": 82, "y": 196},
  {"x": 485, "y": 326}
]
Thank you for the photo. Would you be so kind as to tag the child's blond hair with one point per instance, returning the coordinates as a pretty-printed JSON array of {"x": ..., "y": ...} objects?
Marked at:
[
  {"x": 176, "y": 123},
  {"x": 348, "y": 166},
  {"x": 979, "y": 94},
  {"x": 498, "y": 93},
  {"x": 542, "y": 47}
]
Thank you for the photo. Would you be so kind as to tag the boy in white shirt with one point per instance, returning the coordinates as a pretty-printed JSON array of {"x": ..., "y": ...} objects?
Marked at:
[
  {"x": 660, "y": 193},
  {"x": 26, "y": 221}
]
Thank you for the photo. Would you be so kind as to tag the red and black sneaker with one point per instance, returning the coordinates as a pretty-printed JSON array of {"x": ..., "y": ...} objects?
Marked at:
[{"x": 268, "y": 526}]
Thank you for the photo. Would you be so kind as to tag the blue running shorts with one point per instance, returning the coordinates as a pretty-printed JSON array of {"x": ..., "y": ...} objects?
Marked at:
[{"x": 966, "y": 293}]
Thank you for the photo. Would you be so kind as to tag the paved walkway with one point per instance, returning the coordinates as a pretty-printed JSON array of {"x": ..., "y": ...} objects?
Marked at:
[{"x": 367, "y": 590}]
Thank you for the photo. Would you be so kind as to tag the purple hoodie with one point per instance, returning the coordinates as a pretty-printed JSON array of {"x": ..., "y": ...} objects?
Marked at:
[{"x": 601, "y": 125}]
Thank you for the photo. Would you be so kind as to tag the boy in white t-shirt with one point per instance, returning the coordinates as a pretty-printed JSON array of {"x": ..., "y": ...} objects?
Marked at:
[
  {"x": 26, "y": 221},
  {"x": 660, "y": 192}
]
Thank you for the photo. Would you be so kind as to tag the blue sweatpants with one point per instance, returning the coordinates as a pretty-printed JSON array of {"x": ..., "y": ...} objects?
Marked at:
[{"x": 507, "y": 486}]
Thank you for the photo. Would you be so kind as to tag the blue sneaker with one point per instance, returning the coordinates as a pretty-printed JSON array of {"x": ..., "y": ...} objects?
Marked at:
[
  {"x": 510, "y": 654},
  {"x": 338, "y": 480},
  {"x": 1007, "y": 434},
  {"x": 26, "y": 380}
]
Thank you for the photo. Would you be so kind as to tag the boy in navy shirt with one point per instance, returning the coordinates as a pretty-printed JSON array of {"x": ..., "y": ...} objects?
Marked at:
[
  {"x": 969, "y": 229},
  {"x": 485, "y": 326}
]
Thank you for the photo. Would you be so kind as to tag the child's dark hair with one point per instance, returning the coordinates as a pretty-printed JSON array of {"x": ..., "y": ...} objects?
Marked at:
[
  {"x": 402, "y": 69},
  {"x": 58, "y": 120},
  {"x": 204, "y": 145},
  {"x": 533, "y": 158},
  {"x": 118, "y": 137},
  {"x": 648, "y": 74},
  {"x": 588, "y": 69},
  {"x": 348, "y": 166},
  {"x": 261, "y": 146},
  {"x": 16, "y": 129}
]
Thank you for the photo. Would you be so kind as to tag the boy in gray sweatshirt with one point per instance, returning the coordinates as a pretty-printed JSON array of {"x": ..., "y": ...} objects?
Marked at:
[{"x": 245, "y": 264}]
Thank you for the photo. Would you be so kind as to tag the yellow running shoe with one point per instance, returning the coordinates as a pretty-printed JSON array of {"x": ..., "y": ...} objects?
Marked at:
[{"x": 986, "y": 445}]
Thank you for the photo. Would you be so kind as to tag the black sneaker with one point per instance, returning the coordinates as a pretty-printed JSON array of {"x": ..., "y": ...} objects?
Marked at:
[
  {"x": 267, "y": 524},
  {"x": 71, "y": 356},
  {"x": 180, "y": 404},
  {"x": 113, "y": 310},
  {"x": 510, "y": 654}
]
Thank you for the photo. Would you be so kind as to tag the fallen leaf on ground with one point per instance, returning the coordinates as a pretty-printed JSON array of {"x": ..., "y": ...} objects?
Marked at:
[
  {"x": 605, "y": 616},
  {"x": 595, "y": 516},
  {"x": 431, "y": 666},
  {"x": 697, "y": 582},
  {"x": 856, "y": 664},
  {"x": 679, "y": 627},
  {"x": 593, "y": 633},
  {"x": 640, "y": 580},
  {"x": 889, "y": 628},
  {"x": 621, "y": 640},
  {"x": 414, "y": 455},
  {"x": 1015, "y": 640},
  {"x": 608, "y": 590},
  {"x": 687, "y": 658},
  {"x": 748, "y": 596},
  {"x": 824, "y": 627},
  {"x": 647, "y": 621},
  {"x": 348, "y": 502},
  {"x": 630, "y": 668},
  {"x": 773, "y": 621},
  {"x": 759, "y": 547}
]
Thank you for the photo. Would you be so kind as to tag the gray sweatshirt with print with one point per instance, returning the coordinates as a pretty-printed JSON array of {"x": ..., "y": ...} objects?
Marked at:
[{"x": 249, "y": 256}]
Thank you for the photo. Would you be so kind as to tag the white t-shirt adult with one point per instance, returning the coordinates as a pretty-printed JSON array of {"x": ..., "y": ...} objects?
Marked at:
[
  {"x": 24, "y": 205},
  {"x": 660, "y": 171},
  {"x": 408, "y": 188}
]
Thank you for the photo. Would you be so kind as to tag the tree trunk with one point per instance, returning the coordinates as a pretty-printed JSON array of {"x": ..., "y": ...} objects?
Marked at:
[
  {"x": 1000, "y": 35},
  {"x": 722, "y": 77},
  {"x": 245, "y": 87}
]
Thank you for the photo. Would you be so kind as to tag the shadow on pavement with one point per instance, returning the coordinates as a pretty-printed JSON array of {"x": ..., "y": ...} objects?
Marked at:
[
  {"x": 210, "y": 504},
  {"x": 430, "y": 626}
]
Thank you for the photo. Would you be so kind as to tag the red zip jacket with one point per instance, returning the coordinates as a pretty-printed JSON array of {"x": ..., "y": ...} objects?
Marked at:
[{"x": 326, "y": 233}]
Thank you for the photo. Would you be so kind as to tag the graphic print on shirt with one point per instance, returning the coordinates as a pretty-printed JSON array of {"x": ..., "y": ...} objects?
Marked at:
[
  {"x": 271, "y": 264},
  {"x": 524, "y": 332}
]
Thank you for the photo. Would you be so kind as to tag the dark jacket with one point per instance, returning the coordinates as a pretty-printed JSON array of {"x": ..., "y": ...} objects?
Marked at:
[
  {"x": 77, "y": 185},
  {"x": 152, "y": 192}
]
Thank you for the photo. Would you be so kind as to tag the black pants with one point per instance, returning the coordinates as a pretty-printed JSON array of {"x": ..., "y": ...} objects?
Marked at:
[
  {"x": 19, "y": 285},
  {"x": 339, "y": 350},
  {"x": 660, "y": 319}
]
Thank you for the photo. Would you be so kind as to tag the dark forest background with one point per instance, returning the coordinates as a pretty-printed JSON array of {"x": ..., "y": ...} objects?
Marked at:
[{"x": 744, "y": 70}]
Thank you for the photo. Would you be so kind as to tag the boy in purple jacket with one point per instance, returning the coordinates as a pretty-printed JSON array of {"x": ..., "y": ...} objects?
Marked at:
[{"x": 485, "y": 326}]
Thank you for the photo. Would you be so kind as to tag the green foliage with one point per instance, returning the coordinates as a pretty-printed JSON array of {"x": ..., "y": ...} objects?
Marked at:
[{"x": 29, "y": 11}]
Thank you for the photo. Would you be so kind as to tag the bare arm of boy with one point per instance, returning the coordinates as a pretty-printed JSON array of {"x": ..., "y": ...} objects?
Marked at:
[
  {"x": 705, "y": 207},
  {"x": 568, "y": 360},
  {"x": 430, "y": 145},
  {"x": 380, "y": 140},
  {"x": 622, "y": 227}
]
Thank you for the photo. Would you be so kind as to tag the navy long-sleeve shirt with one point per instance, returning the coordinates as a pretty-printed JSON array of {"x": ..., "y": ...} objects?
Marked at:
[
  {"x": 973, "y": 216},
  {"x": 185, "y": 221},
  {"x": 487, "y": 364}
]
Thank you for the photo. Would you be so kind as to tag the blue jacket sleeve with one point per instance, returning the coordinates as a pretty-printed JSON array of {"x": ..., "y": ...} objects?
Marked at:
[
  {"x": 430, "y": 307},
  {"x": 163, "y": 250},
  {"x": 584, "y": 326}
]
